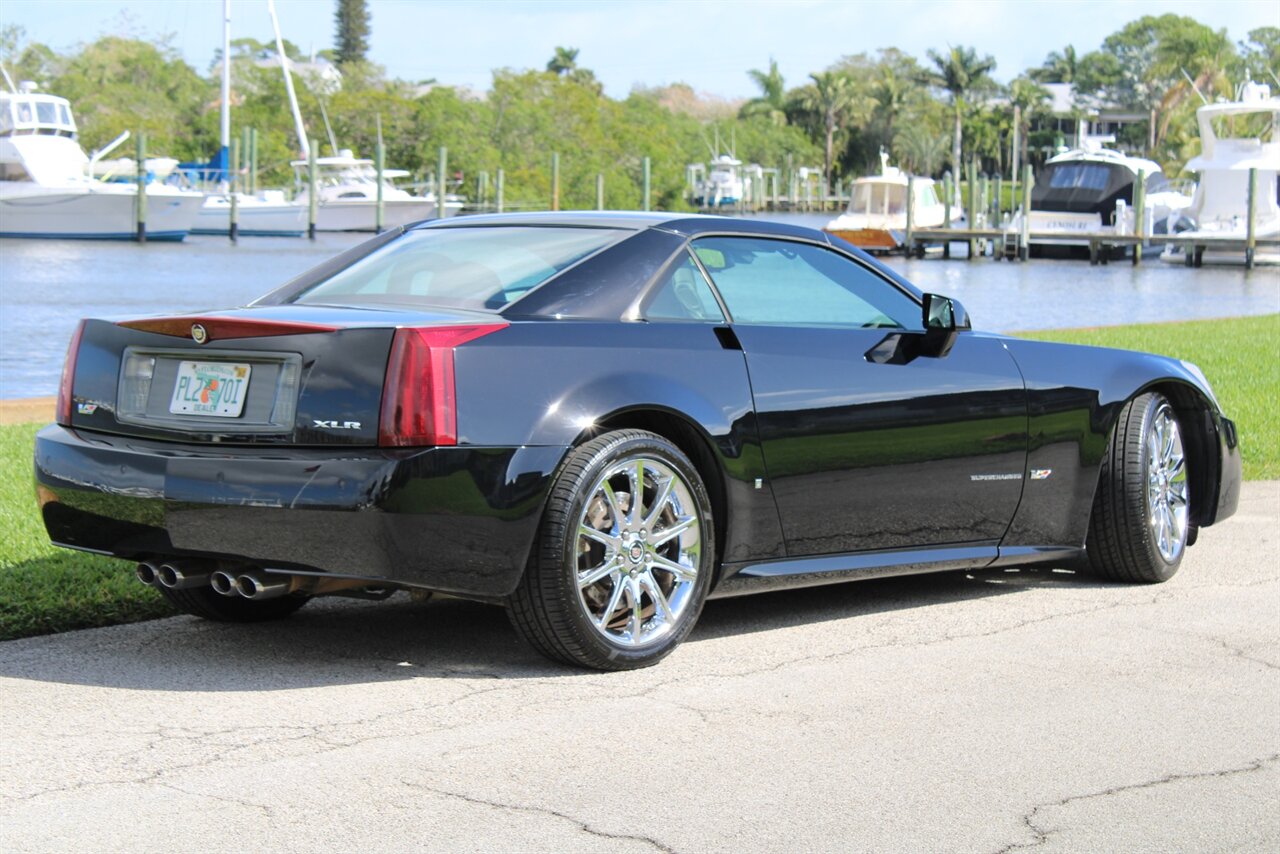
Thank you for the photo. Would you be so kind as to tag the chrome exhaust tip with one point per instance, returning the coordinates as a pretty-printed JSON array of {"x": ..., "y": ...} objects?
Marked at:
[
  {"x": 259, "y": 585},
  {"x": 148, "y": 574},
  {"x": 223, "y": 582},
  {"x": 178, "y": 576}
]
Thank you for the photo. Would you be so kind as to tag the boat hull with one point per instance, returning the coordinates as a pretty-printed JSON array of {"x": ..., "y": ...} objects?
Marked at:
[
  {"x": 361, "y": 214},
  {"x": 94, "y": 214},
  {"x": 255, "y": 218}
]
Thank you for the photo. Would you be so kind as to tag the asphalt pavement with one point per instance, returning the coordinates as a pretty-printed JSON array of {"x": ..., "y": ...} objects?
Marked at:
[{"x": 992, "y": 711}]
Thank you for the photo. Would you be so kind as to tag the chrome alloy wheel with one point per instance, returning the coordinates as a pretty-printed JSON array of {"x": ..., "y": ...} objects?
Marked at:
[
  {"x": 638, "y": 551},
  {"x": 1166, "y": 484}
]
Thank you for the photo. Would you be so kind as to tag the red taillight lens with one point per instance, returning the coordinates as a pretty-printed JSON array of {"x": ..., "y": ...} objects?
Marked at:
[
  {"x": 63, "y": 412},
  {"x": 418, "y": 396}
]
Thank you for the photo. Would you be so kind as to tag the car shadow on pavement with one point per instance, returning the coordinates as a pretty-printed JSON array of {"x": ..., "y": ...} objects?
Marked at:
[{"x": 338, "y": 641}]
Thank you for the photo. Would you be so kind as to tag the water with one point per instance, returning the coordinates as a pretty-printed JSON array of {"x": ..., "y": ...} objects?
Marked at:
[{"x": 47, "y": 285}]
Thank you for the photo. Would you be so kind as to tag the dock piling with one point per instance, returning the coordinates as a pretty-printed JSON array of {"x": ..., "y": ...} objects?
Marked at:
[
  {"x": 499, "y": 183},
  {"x": 1139, "y": 215},
  {"x": 647, "y": 181},
  {"x": 1024, "y": 239},
  {"x": 442, "y": 184},
  {"x": 379, "y": 164},
  {"x": 599, "y": 191},
  {"x": 253, "y": 161},
  {"x": 141, "y": 175},
  {"x": 555, "y": 180},
  {"x": 947, "y": 198},
  {"x": 972, "y": 206},
  {"x": 233, "y": 195},
  {"x": 313, "y": 203},
  {"x": 911, "y": 211},
  {"x": 1250, "y": 234}
]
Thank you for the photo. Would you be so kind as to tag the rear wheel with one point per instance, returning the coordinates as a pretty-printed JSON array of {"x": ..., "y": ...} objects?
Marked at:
[
  {"x": 1140, "y": 522},
  {"x": 205, "y": 602},
  {"x": 624, "y": 556}
]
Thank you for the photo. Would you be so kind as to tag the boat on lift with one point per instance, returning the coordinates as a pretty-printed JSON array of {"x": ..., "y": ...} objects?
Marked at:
[
  {"x": 723, "y": 186},
  {"x": 347, "y": 195},
  {"x": 876, "y": 218},
  {"x": 1219, "y": 208},
  {"x": 46, "y": 183},
  {"x": 1089, "y": 190}
]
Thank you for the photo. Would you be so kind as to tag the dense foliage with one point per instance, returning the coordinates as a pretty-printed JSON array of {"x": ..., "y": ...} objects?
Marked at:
[{"x": 926, "y": 115}]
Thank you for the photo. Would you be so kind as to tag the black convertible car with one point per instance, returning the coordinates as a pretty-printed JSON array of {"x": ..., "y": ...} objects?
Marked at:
[{"x": 601, "y": 420}]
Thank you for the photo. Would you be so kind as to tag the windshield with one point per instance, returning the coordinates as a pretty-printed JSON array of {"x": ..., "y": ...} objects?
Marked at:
[
  {"x": 1089, "y": 176},
  {"x": 878, "y": 198},
  {"x": 482, "y": 267}
]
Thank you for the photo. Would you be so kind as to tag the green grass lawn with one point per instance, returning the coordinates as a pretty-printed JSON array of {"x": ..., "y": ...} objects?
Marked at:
[
  {"x": 1241, "y": 358},
  {"x": 45, "y": 589}
]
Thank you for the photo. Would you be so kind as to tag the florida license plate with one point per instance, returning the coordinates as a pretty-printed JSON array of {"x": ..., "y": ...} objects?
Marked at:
[{"x": 216, "y": 389}]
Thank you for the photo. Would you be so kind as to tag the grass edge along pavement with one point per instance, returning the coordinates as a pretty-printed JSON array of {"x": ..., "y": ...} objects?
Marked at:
[{"x": 46, "y": 589}]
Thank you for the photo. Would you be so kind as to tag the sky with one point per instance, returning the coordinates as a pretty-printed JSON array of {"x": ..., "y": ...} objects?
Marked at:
[{"x": 708, "y": 44}]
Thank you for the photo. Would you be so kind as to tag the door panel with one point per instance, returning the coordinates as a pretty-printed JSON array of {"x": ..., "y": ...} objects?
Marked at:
[{"x": 879, "y": 456}]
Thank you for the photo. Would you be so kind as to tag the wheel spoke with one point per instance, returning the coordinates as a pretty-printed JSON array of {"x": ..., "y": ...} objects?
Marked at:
[
  {"x": 666, "y": 535},
  {"x": 612, "y": 500},
  {"x": 637, "y": 612},
  {"x": 615, "y": 601},
  {"x": 602, "y": 537},
  {"x": 662, "y": 607},
  {"x": 1176, "y": 467},
  {"x": 1178, "y": 494},
  {"x": 591, "y": 576},
  {"x": 636, "y": 476},
  {"x": 664, "y": 494},
  {"x": 679, "y": 570}
]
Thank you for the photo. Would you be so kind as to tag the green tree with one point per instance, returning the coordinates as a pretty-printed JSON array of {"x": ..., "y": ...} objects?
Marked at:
[
  {"x": 564, "y": 61},
  {"x": 772, "y": 101},
  {"x": 1260, "y": 56},
  {"x": 960, "y": 73},
  {"x": 1059, "y": 67},
  {"x": 352, "y": 19},
  {"x": 1032, "y": 99},
  {"x": 836, "y": 102}
]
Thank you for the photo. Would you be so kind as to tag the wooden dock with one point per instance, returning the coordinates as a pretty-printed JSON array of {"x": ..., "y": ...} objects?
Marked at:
[{"x": 1013, "y": 245}]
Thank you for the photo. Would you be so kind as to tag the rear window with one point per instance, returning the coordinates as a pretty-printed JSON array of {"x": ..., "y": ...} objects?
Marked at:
[{"x": 484, "y": 267}]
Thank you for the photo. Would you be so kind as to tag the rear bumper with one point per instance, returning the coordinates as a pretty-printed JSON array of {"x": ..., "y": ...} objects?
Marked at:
[{"x": 457, "y": 520}]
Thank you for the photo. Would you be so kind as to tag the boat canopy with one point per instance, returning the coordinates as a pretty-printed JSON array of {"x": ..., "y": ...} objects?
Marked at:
[
  {"x": 30, "y": 113},
  {"x": 1089, "y": 186}
]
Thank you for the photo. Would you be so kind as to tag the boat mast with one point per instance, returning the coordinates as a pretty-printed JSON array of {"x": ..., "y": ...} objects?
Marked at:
[
  {"x": 288, "y": 83},
  {"x": 224, "y": 154}
]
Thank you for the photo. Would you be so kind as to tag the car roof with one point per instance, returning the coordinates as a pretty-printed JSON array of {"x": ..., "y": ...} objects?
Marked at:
[{"x": 679, "y": 223}]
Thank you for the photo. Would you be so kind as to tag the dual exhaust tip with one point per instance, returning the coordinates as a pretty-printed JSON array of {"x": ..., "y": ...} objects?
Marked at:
[{"x": 181, "y": 575}]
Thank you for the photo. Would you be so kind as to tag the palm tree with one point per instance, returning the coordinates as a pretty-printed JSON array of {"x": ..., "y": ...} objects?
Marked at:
[
  {"x": 959, "y": 72},
  {"x": 773, "y": 95},
  {"x": 1058, "y": 67},
  {"x": 564, "y": 61},
  {"x": 1200, "y": 57},
  {"x": 919, "y": 149},
  {"x": 1032, "y": 99},
  {"x": 836, "y": 102}
]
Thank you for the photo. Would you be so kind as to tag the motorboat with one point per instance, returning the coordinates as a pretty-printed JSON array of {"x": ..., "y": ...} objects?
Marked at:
[
  {"x": 723, "y": 185},
  {"x": 1219, "y": 208},
  {"x": 264, "y": 214},
  {"x": 347, "y": 195},
  {"x": 46, "y": 183},
  {"x": 876, "y": 218},
  {"x": 1089, "y": 190}
]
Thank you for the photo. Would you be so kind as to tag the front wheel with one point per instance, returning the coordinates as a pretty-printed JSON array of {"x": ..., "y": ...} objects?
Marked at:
[
  {"x": 1138, "y": 530},
  {"x": 624, "y": 555}
]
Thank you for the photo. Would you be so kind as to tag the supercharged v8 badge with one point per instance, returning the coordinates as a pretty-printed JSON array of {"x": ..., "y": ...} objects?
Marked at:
[{"x": 1040, "y": 474}]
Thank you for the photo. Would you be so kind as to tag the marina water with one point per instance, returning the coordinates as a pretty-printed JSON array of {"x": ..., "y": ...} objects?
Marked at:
[{"x": 47, "y": 285}]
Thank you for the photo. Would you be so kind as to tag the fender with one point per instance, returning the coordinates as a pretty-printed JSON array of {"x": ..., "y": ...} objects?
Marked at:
[{"x": 1075, "y": 394}]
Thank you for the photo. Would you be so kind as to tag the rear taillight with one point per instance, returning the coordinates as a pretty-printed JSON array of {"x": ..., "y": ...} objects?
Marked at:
[
  {"x": 418, "y": 397},
  {"x": 63, "y": 412}
]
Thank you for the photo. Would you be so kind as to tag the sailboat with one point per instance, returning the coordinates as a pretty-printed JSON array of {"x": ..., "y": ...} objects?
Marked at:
[{"x": 267, "y": 213}]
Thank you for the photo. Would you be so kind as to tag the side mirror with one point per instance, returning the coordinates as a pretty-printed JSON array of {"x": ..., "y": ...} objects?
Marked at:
[{"x": 943, "y": 317}]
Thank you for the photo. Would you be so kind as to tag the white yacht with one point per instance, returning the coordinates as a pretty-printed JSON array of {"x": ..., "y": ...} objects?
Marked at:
[
  {"x": 46, "y": 189},
  {"x": 1220, "y": 205},
  {"x": 876, "y": 219},
  {"x": 723, "y": 185},
  {"x": 1090, "y": 190},
  {"x": 347, "y": 195}
]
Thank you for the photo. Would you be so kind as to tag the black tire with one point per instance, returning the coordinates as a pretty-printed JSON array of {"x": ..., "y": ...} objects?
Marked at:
[
  {"x": 205, "y": 602},
  {"x": 1127, "y": 540},
  {"x": 557, "y": 615}
]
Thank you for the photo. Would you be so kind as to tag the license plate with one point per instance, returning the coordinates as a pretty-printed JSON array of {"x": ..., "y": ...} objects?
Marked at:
[{"x": 216, "y": 389}]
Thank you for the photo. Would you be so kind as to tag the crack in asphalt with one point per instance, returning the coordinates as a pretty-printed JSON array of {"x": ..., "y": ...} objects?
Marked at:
[
  {"x": 1042, "y": 835},
  {"x": 581, "y": 825}
]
